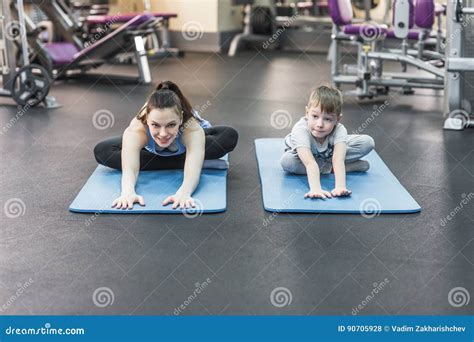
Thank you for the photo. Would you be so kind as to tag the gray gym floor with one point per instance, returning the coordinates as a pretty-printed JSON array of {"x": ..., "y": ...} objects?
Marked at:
[{"x": 151, "y": 264}]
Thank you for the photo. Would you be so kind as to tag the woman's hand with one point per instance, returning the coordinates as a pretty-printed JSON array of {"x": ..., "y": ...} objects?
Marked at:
[
  {"x": 126, "y": 201},
  {"x": 318, "y": 193},
  {"x": 341, "y": 192},
  {"x": 181, "y": 200}
]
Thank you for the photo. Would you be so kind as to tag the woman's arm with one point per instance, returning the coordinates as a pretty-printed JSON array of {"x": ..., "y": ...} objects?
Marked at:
[
  {"x": 194, "y": 141},
  {"x": 134, "y": 138}
]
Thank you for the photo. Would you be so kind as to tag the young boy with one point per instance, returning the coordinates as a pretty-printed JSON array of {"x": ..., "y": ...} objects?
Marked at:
[{"x": 319, "y": 143}]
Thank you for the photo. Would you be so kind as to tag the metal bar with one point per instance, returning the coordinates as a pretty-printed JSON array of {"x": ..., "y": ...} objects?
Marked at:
[
  {"x": 24, "y": 43},
  {"x": 460, "y": 64}
]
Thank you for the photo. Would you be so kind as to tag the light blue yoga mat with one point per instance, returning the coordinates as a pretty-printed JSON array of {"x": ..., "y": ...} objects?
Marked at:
[
  {"x": 374, "y": 192},
  {"x": 104, "y": 186}
]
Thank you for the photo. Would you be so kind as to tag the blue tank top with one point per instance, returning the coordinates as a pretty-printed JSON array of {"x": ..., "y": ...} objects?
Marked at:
[{"x": 176, "y": 147}]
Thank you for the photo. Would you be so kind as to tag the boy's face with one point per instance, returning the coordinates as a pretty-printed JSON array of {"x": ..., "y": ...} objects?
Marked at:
[{"x": 320, "y": 124}]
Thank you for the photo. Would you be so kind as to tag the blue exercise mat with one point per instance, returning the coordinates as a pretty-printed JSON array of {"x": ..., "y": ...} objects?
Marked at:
[
  {"x": 104, "y": 186},
  {"x": 373, "y": 192}
]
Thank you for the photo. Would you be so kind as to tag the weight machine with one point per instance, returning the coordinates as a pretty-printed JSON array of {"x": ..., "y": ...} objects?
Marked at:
[
  {"x": 459, "y": 81},
  {"x": 28, "y": 85},
  {"x": 258, "y": 25}
]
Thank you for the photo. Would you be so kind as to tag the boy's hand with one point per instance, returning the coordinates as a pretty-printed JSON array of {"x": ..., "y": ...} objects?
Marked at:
[
  {"x": 341, "y": 192},
  {"x": 319, "y": 193}
]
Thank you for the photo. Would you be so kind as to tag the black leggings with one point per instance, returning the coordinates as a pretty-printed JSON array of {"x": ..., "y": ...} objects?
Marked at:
[{"x": 220, "y": 140}]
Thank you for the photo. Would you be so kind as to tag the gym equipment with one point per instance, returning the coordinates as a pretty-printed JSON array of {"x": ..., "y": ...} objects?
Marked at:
[
  {"x": 66, "y": 60},
  {"x": 155, "y": 26},
  {"x": 28, "y": 86},
  {"x": 258, "y": 25},
  {"x": 459, "y": 86},
  {"x": 368, "y": 75},
  {"x": 156, "y": 29},
  {"x": 374, "y": 192},
  {"x": 103, "y": 187}
]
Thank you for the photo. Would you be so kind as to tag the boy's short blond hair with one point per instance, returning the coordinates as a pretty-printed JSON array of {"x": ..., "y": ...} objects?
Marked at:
[{"x": 328, "y": 98}]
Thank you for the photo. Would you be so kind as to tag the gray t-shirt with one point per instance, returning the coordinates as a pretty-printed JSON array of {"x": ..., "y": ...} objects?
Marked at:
[{"x": 301, "y": 136}]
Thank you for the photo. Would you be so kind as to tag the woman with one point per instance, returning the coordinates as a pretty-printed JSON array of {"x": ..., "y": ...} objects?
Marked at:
[{"x": 165, "y": 134}]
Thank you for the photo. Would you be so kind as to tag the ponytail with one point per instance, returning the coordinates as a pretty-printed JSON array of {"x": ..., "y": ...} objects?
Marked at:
[{"x": 167, "y": 95}]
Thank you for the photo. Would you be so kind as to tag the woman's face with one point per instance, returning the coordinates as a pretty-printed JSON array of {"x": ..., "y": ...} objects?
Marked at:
[{"x": 164, "y": 125}]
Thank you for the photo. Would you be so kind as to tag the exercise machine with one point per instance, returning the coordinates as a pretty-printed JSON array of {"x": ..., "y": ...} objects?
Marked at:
[
  {"x": 459, "y": 83},
  {"x": 72, "y": 59},
  {"x": 258, "y": 25},
  {"x": 29, "y": 84},
  {"x": 368, "y": 75}
]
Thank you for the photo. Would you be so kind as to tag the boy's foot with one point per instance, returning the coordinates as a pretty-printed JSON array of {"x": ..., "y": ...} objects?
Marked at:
[{"x": 358, "y": 166}]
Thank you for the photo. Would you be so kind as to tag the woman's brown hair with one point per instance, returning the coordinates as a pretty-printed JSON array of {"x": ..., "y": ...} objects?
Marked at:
[{"x": 167, "y": 95}]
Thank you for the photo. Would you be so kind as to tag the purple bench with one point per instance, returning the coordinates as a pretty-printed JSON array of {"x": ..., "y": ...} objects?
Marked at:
[
  {"x": 68, "y": 56},
  {"x": 422, "y": 15},
  {"x": 61, "y": 53}
]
